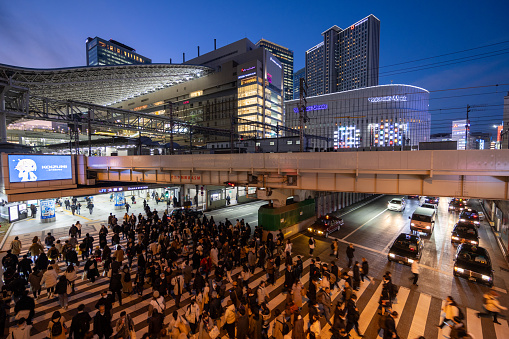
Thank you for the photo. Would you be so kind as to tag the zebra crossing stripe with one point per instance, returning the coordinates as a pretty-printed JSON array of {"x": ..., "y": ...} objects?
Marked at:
[
  {"x": 369, "y": 311},
  {"x": 502, "y": 330},
  {"x": 420, "y": 316},
  {"x": 474, "y": 324}
]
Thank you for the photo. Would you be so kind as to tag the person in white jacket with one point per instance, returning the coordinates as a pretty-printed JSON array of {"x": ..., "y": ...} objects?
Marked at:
[
  {"x": 49, "y": 280},
  {"x": 261, "y": 293},
  {"x": 22, "y": 331},
  {"x": 214, "y": 256},
  {"x": 450, "y": 309},
  {"x": 492, "y": 305},
  {"x": 157, "y": 303},
  {"x": 193, "y": 315}
]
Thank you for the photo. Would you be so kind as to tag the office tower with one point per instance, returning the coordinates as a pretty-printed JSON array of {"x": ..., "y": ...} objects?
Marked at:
[
  {"x": 101, "y": 52},
  {"x": 346, "y": 59},
  {"x": 314, "y": 70},
  {"x": 459, "y": 131},
  {"x": 285, "y": 56},
  {"x": 301, "y": 73}
]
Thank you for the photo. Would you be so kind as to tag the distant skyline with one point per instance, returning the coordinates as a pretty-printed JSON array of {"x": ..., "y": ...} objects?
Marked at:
[{"x": 52, "y": 34}]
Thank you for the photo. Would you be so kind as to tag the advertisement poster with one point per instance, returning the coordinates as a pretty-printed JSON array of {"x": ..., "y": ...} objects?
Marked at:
[
  {"x": 47, "y": 209},
  {"x": 119, "y": 199},
  {"x": 28, "y": 167},
  {"x": 13, "y": 213}
]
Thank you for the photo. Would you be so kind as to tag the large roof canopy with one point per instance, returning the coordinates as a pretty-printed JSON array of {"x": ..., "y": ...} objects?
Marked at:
[{"x": 101, "y": 85}]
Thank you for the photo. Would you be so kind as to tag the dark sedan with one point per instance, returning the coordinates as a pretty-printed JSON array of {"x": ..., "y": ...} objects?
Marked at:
[
  {"x": 406, "y": 248},
  {"x": 457, "y": 205},
  {"x": 470, "y": 215},
  {"x": 326, "y": 225},
  {"x": 473, "y": 263},
  {"x": 465, "y": 232}
]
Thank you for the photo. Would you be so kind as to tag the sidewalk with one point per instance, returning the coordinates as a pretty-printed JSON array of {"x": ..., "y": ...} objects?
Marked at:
[{"x": 28, "y": 228}]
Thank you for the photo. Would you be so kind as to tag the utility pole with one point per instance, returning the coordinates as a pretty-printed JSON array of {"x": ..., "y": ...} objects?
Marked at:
[
  {"x": 303, "y": 117},
  {"x": 467, "y": 128}
]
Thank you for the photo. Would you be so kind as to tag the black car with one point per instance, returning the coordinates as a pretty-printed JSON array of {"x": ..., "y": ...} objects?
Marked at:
[
  {"x": 406, "y": 248},
  {"x": 470, "y": 215},
  {"x": 326, "y": 225},
  {"x": 465, "y": 232},
  {"x": 457, "y": 205},
  {"x": 183, "y": 212},
  {"x": 473, "y": 263}
]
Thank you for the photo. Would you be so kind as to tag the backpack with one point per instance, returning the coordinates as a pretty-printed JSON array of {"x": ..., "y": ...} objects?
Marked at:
[
  {"x": 286, "y": 328},
  {"x": 48, "y": 241},
  {"x": 56, "y": 329}
]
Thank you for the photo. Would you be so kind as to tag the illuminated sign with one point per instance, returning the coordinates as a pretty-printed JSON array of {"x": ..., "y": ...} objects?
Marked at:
[
  {"x": 269, "y": 77},
  {"x": 246, "y": 75},
  {"x": 361, "y": 22},
  {"x": 196, "y": 94},
  {"x": 312, "y": 108},
  {"x": 248, "y": 69},
  {"x": 388, "y": 98},
  {"x": 186, "y": 102},
  {"x": 47, "y": 209},
  {"x": 274, "y": 61},
  {"x": 137, "y": 188},
  {"x": 26, "y": 167}
]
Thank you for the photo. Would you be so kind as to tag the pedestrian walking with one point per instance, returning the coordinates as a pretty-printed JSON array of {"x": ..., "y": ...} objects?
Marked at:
[
  {"x": 124, "y": 326},
  {"x": 415, "y": 271},
  {"x": 356, "y": 276},
  {"x": 178, "y": 288},
  {"x": 390, "y": 331},
  {"x": 16, "y": 246},
  {"x": 116, "y": 286},
  {"x": 230, "y": 319},
  {"x": 288, "y": 246},
  {"x": 62, "y": 288},
  {"x": 78, "y": 227},
  {"x": 49, "y": 280},
  {"x": 335, "y": 247},
  {"x": 492, "y": 306},
  {"x": 364, "y": 269},
  {"x": 34, "y": 279},
  {"x": 311, "y": 246},
  {"x": 450, "y": 310},
  {"x": 352, "y": 317},
  {"x": 71, "y": 275},
  {"x": 21, "y": 331},
  {"x": 80, "y": 324},
  {"x": 350, "y": 254},
  {"x": 102, "y": 323},
  {"x": 56, "y": 326}
]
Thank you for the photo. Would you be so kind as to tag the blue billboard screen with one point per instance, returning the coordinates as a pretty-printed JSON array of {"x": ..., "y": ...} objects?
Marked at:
[{"x": 28, "y": 167}]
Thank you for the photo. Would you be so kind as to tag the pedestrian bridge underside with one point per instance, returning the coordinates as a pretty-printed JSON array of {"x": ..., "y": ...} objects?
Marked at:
[{"x": 469, "y": 174}]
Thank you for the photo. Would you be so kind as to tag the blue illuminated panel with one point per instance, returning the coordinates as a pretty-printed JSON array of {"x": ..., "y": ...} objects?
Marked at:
[{"x": 27, "y": 167}]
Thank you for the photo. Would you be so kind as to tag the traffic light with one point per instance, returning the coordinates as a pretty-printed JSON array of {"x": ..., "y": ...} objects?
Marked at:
[{"x": 229, "y": 184}]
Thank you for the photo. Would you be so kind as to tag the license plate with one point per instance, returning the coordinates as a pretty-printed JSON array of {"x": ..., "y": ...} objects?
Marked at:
[{"x": 472, "y": 279}]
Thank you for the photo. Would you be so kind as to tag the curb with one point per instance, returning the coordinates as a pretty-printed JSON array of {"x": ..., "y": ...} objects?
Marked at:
[{"x": 7, "y": 235}]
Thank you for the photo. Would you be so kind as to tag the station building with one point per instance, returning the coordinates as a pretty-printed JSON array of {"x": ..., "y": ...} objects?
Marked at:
[{"x": 377, "y": 116}]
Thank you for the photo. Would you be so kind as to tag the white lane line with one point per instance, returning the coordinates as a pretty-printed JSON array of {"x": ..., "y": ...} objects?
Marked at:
[
  {"x": 474, "y": 325},
  {"x": 369, "y": 311},
  {"x": 420, "y": 316},
  {"x": 362, "y": 205},
  {"x": 358, "y": 228},
  {"x": 502, "y": 330}
]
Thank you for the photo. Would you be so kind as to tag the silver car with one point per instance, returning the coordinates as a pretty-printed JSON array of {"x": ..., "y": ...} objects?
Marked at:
[{"x": 397, "y": 204}]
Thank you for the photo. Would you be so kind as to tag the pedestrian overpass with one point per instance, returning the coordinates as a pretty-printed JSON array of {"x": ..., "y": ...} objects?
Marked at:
[{"x": 470, "y": 174}]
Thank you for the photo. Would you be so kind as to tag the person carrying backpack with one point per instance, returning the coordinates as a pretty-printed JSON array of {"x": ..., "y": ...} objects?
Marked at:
[
  {"x": 56, "y": 327},
  {"x": 49, "y": 240},
  {"x": 80, "y": 324}
]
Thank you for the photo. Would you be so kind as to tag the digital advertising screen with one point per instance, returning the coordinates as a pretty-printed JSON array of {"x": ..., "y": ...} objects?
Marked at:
[
  {"x": 13, "y": 213},
  {"x": 28, "y": 167}
]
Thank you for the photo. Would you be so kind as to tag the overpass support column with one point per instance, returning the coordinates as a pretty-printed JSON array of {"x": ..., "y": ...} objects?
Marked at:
[{"x": 3, "y": 117}]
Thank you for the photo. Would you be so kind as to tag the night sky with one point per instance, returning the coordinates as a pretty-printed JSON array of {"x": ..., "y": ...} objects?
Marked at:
[{"x": 51, "y": 34}]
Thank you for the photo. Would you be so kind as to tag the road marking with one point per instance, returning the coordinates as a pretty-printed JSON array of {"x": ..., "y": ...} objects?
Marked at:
[
  {"x": 362, "y": 205},
  {"x": 355, "y": 230},
  {"x": 369, "y": 311},
  {"x": 474, "y": 324},
  {"x": 499, "y": 289},
  {"x": 420, "y": 316},
  {"x": 502, "y": 330}
]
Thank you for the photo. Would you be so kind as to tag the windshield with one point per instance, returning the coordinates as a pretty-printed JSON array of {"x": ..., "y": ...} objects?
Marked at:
[
  {"x": 428, "y": 206},
  {"x": 406, "y": 245},
  {"x": 396, "y": 202},
  {"x": 466, "y": 231},
  {"x": 476, "y": 258},
  {"x": 469, "y": 215},
  {"x": 420, "y": 217}
]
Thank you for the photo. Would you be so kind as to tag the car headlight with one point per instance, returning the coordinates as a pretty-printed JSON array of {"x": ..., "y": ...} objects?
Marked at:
[
  {"x": 412, "y": 224},
  {"x": 462, "y": 219},
  {"x": 320, "y": 232},
  {"x": 486, "y": 277},
  {"x": 392, "y": 255},
  {"x": 473, "y": 242},
  {"x": 455, "y": 238},
  {"x": 476, "y": 222},
  {"x": 451, "y": 207},
  {"x": 310, "y": 229},
  {"x": 427, "y": 227},
  {"x": 460, "y": 270},
  {"x": 410, "y": 261}
]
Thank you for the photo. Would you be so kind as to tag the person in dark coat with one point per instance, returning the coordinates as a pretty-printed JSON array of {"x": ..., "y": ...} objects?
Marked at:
[
  {"x": 80, "y": 324},
  {"x": 106, "y": 300},
  {"x": 155, "y": 324},
  {"x": 102, "y": 323},
  {"x": 242, "y": 324},
  {"x": 116, "y": 287},
  {"x": 352, "y": 317},
  {"x": 91, "y": 269},
  {"x": 349, "y": 254},
  {"x": 26, "y": 303},
  {"x": 365, "y": 269},
  {"x": 356, "y": 276},
  {"x": 390, "y": 326},
  {"x": 289, "y": 278}
]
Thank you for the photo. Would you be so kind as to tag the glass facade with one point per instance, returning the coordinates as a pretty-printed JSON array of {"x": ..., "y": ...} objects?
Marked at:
[
  {"x": 314, "y": 70},
  {"x": 379, "y": 116},
  {"x": 296, "y": 82},
  {"x": 102, "y": 52},
  {"x": 285, "y": 56}
]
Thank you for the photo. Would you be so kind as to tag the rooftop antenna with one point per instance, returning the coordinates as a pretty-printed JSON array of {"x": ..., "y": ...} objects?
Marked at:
[
  {"x": 214, "y": 44},
  {"x": 183, "y": 57},
  {"x": 198, "y": 50}
]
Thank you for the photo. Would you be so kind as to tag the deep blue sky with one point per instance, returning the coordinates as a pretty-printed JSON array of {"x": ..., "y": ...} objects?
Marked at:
[{"x": 49, "y": 34}]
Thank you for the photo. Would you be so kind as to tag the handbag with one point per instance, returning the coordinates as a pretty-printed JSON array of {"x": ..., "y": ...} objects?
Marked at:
[{"x": 214, "y": 332}]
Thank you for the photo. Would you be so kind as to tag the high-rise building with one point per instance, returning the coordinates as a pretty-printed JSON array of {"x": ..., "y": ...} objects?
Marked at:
[
  {"x": 314, "y": 70},
  {"x": 102, "y": 52},
  {"x": 301, "y": 73},
  {"x": 346, "y": 59},
  {"x": 459, "y": 131},
  {"x": 285, "y": 56}
]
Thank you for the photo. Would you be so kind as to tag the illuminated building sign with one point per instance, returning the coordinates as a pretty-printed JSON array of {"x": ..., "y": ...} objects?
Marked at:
[
  {"x": 248, "y": 69},
  {"x": 312, "y": 108},
  {"x": 246, "y": 75},
  {"x": 186, "y": 102},
  {"x": 361, "y": 22},
  {"x": 269, "y": 77},
  {"x": 25, "y": 168},
  {"x": 274, "y": 61},
  {"x": 196, "y": 94},
  {"x": 388, "y": 98}
]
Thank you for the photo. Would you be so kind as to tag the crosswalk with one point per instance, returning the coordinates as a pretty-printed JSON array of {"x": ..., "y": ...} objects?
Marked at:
[{"x": 419, "y": 312}]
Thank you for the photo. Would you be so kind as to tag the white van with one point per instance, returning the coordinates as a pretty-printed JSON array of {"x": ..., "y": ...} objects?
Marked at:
[{"x": 423, "y": 220}]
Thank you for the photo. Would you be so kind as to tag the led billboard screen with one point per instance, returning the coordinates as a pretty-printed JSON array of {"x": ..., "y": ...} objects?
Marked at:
[{"x": 28, "y": 167}]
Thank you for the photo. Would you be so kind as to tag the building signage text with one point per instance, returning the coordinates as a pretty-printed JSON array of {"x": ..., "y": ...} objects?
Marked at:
[
  {"x": 248, "y": 69},
  {"x": 388, "y": 98},
  {"x": 312, "y": 108},
  {"x": 186, "y": 177}
]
